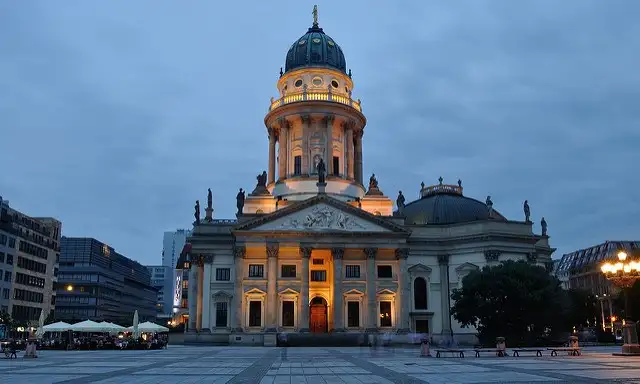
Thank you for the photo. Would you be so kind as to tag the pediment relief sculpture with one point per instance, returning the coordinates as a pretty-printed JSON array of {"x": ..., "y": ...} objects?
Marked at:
[
  {"x": 419, "y": 269},
  {"x": 324, "y": 217}
]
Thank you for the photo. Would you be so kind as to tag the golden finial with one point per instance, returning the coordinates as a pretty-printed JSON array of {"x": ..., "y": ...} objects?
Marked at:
[{"x": 315, "y": 15}]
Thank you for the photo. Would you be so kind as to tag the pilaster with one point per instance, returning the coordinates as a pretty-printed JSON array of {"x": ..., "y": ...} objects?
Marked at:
[
  {"x": 272, "y": 156},
  {"x": 239, "y": 252},
  {"x": 349, "y": 156},
  {"x": 272, "y": 277},
  {"x": 404, "y": 290},
  {"x": 329, "y": 145},
  {"x": 443, "y": 262},
  {"x": 303, "y": 311},
  {"x": 306, "y": 126},
  {"x": 283, "y": 149},
  {"x": 372, "y": 321},
  {"x": 338, "y": 305},
  {"x": 358, "y": 156},
  {"x": 206, "y": 293},
  {"x": 192, "y": 298},
  {"x": 199, "y": 297}
]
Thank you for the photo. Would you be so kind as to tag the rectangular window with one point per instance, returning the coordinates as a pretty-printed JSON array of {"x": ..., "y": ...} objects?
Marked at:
[
  {"x": 223, "y": 274},
  {"x": 256, "y": 270},
  {"x": 287, "y": 313},
  {"x": 221, "y": 314},
  {"x": 5, "y": 293},
  {"x": 7, "y": 275},
  {"x": 336, "y": 165},
  {"x": 318, "y": 275},
  {"x": 12, "y": 242},
  {"x": 297, "y": 165},
  {"x": 317, "y": 261},
  {"x": 352, "y": 272},
  {"x": 9, "y": 259},
  {"x": 385, "y": 314},
  {"x": 288, "y": 271},
  {"x": 1, "y": 257},
  {"x": 384, "y": 272},
  {"x": 255, "y": 313},
  {"x": 353, "y": 314}
]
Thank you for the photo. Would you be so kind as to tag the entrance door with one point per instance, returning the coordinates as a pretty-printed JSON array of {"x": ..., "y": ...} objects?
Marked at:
[{"x": 318, "y": 315}]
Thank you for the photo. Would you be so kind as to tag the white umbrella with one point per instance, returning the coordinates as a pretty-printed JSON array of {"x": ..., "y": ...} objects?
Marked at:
[
  {"x": 60, "y": 326},
  {"x": 40, "y": 331},
  {"x": 112, "y": 328},
  {"x": 148, "y": 326},
  {"x": 136, "y": 331},
  {"x": 89, "y": 326}
]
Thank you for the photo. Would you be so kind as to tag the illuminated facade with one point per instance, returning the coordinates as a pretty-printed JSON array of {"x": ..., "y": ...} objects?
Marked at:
[{"x": 306, "y": 257}]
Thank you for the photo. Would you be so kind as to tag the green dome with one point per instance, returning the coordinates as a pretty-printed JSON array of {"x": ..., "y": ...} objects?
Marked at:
[{"x": 315, "y": 49}]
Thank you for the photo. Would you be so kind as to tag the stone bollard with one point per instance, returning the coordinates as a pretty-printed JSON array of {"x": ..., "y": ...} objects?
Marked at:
[
  {"x": 501, "y": 347},
  {"x": 424, "y": 347}
]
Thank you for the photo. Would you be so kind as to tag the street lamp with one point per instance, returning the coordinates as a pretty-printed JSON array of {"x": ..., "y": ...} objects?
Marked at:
[{"x": 624, "y": 274}]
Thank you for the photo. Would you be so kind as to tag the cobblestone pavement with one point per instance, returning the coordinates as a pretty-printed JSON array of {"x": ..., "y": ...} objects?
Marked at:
[{"x": 194, "y": 364}]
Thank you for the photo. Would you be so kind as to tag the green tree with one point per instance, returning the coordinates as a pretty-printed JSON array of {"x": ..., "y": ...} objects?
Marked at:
[
  {"x": 583, "y": 308},
  {"x": 516, "y": 300}
]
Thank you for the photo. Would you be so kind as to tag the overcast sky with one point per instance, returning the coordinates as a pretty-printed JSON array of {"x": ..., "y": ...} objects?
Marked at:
[{"x": 115, "y": 116}]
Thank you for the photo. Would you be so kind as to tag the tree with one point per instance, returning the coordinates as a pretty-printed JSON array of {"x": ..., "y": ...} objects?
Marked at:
[
  {"x": 516, "y": 300},
  {"x": 583, "y": 308}
]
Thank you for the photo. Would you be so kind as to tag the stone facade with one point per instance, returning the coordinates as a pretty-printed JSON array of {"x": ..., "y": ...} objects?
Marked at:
[{"x": 307, "y": 256}]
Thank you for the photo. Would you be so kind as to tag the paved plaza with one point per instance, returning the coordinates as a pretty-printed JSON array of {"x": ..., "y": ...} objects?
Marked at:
[{"x": 193, "y": 364}]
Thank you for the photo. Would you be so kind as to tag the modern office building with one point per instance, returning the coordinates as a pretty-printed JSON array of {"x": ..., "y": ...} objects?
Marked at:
[
  {"x": 29, "y": 251},
  {"x": 98, "y": 283},
  {"x": 172, "y": 245},
  {"x": 181, "y": 286},
  {"x": 160, "y": 280},
  {"x": 581, "y": 270}
]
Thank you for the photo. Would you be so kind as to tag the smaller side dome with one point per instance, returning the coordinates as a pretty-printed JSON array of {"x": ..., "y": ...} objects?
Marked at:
[{"x": 445, "y": 204}]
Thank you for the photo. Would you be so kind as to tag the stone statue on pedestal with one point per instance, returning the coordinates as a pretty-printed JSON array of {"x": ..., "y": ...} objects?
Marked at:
[
  {"x": 209, "y": 199},
  {"x": 196, "y": 214},
  {"x": 489, "y": 205},
  {"x": 527, "y": 211},
  {"x": 240, "y": 201},
  {"x": 543, "y": 224},
  {"x": 322, "y": 171},
  {"x": 373, "y": 182},
  {"x": 400, "y": 203}
]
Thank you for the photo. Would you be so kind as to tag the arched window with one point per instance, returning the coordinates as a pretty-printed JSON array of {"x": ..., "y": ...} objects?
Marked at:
[{"x": 420, "y": 293}]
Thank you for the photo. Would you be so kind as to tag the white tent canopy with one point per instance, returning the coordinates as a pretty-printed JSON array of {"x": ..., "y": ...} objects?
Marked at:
[
  {"x": 148, "y": 326},
  {"x": 90, "y": 326},
  {"x": 60, "y": 326}
]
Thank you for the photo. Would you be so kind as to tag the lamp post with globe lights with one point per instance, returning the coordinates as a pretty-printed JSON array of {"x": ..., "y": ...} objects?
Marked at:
[{"x": 624, "y": 273}]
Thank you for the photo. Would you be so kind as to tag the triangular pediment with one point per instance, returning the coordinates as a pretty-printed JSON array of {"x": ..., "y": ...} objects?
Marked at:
[
  {"x": 467, "y": 267},
  {"x": 386, "y": 292},
  {"x": 322, "y": 214},
  {"x": 354, "y": 292},
  {"x": 255, "y": 291},
  {"x": 288, "y": 291},
  {"x": 222, "y": 294},
  {"x": 419, "y": 268}
]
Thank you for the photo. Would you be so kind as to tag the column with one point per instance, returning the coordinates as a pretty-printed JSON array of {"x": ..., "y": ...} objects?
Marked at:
[
  {"x": 443, "y": 261},
  {"x": 239, "y": 252},
  {"x": 338, "y": 305},
  {"x": 349, "y": 149},
  {"x": 199, "y": 297},
  {"x": 404, "y": 290},
  {"x": 272, "y": 280},
  {"x": 192, "y": 298},
  {"x": 206, "y": 293},
  {"x": 372, "y": 321},
  {"x": 358, "y": 157},
  {"x": 272, "y": 156},
  {"x": 303, "y": 310},
  {"x": 329, "y": 147},
  {"x": 306, "y": 126},
  {"x": 283, "y": 149}
]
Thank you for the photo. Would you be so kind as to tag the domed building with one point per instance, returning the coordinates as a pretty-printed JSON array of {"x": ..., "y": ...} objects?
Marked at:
[{"x": 321, "y": 256}]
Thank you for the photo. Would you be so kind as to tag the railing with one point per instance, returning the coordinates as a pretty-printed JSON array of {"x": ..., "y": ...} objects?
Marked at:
[{"x": 314, "y": 96}]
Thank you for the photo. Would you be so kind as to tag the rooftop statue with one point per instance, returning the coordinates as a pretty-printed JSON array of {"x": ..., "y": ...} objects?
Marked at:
[
  {"x": 240, "y": 201},
  {"x": 322, "y": 171},
  {"x": 527, "y": 211},
  {"x": 196, "y": 214}
]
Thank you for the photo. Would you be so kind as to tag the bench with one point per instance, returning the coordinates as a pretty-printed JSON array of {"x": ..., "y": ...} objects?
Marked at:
[
  {"x": 460, "y": 352},
  {"x": 516, "y": 352},
  {"x": 498, "y": 352},
  {"x": 572, "y": 351}
]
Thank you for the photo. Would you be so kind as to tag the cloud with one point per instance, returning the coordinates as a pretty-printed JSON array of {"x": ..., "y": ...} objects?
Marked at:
[{"x": 116, "y": 118}]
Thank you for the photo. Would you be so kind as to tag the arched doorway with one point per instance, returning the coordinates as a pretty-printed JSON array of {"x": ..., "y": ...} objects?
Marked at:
[{"x": 318, "y": 315}]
